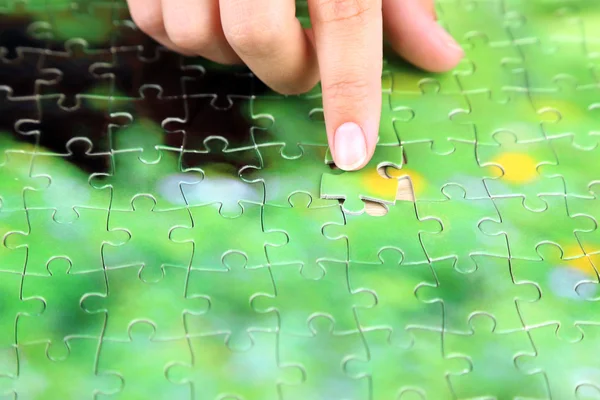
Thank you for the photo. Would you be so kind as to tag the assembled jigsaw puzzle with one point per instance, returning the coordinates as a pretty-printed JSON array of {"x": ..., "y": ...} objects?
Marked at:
[{"x": 172, "y": 229}]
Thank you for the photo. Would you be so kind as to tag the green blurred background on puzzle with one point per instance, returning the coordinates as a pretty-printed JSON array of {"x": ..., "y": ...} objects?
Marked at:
[{"x": 173, "y": 229}]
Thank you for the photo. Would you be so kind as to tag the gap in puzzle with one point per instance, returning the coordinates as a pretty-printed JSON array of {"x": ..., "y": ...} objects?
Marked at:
[{"x": 172, "y": 229}]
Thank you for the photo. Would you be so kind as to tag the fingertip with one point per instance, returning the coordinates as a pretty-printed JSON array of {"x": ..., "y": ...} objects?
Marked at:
[{"x": 350, "y": 146}]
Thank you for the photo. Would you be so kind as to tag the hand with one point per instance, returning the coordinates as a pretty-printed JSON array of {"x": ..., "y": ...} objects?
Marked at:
[{"x": 343, "y": 49}]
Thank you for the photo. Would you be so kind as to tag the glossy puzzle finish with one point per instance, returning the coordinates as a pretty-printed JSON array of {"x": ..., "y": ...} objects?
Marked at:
[{"x": 171, "y": 229}]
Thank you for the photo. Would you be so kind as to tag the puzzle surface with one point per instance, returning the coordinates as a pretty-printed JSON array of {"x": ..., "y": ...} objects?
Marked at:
[{"x": 171, "y": 229}]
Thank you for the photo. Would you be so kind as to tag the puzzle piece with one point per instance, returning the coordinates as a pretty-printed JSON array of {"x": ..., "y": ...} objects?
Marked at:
[
  {"x": 329, "y": 284},
  {"x": 80, "y": 240},
  {"x": 323, "y": 351},
  {"x": 277, "y": 169},
  {"x": 365, "y": 184},
  {"x": 422, "y": 166},
  {"x": 63, "y": 176},
  {"x": 416, "y": 370},
  {"x": 460, "y": 217},
  {"x": 473, "y": 382},
  {"x": 73, "y": 73},
  {"x": 14, "y": 110},
  {"x": 562, "y": 383},
  {"x": 22, "y": 74},
  {"x": 577, "y": 167},
  {"x": 62, "y": 318},
  {"x": 90, "y": 120},
  {"x": 540, "y": 227},
  {"x": 79, "y": 365},
  {"x": 569, "y": 291},
  {"x": 210, "y": 374},
  {"x": 290, "y": 121},
  {"x": 516, "y": 115},
  {"x": 306, "y": 243},
  {"x": 496, "y": 293},
  {"x": 16, "y": 19},
  {"x": 579, "y": 111},
  {"x": 210, "y": 228},
  {"x": 169, "y": 319},
  {"x": 121, "y": 360},
  {"x": 392, "y": 283},
  {"x": 161, "y": 179},
  {"x": 422, "y": 124},
  {"x": 492, "y": 68},
  {"x": 366, "y": 240},
  {"x": 224, "y": 315},
  {"x": 222, "y": 168},
  {"x": 149, "y": 113},
  {"x": 520, "y": 164},
  {"x": 13, "y": 260},
  {"x": 15, "y": 168},
  {"x": 148, "y": 245}
]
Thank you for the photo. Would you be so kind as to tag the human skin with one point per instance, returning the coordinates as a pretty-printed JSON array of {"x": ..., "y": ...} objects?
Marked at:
[{"x": 343, "y": 50}]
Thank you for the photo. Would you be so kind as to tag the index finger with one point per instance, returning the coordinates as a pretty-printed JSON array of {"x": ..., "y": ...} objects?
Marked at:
[{"x": 348, "y": 38}]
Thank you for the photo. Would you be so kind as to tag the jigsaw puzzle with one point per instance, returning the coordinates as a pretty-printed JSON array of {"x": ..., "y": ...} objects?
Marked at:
[{"x": 172, "y": 229}]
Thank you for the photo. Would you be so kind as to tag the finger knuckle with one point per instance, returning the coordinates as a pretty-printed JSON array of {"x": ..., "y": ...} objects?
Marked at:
[
  {"x": 255, "y": 37},
  {"x": 344, "y": 90},
  {"x": 342, "y": 10},
  {"x": 149, "y": 21},
  {"x": 190, "y": 37}
]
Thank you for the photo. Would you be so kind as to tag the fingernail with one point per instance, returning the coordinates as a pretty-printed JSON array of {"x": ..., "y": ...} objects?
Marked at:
[
  {"x": 447, "y": 40},
  {"x": 350, "y": 146}
]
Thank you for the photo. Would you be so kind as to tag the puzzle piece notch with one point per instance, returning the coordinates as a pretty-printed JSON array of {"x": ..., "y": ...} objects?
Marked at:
[
  {"x": 62, "y": 316},
  {"x": 569, "y": 286},
  {"x": 366, "y": 184},
  {"x": 520, "y": 165}
]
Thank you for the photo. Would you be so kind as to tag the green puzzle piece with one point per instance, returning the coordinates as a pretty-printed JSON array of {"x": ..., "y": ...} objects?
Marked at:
[
  {"x": 168, "y": 318},
  {"x": 590, "y": 241},
  {"x": 394, "y": 283},
  {"x": 277, "y": 171},
  {"x": 428, "y": 118},
  {"x": 366, "y": 183},
  {"x": 570, "y": 291},
  {"x": 62, "y": 314},
  {"x": 212, "y": 239},
  {"x": 13, "y": 308},
  {"x": 526, "y": 229},
  {"x": 414, "y": 371},
  {"x": 120, "y": 359},
  {"x": 496, "y": 293},
  {"x": 328, "y": 282},
  {"x": 520, "y": 164},
  {"x": 224, "y": 314},
  {"x": 15, "y": 168},
  {"x": 303, "y": 223},
  {"x": 260, "y": 374},
  {"x": 460, "y": 217},
  {"x": 13, "y": 260},
  {"x": 366, "y": 239},
  {"x": 578, "y": 365},
  {"x": 500, "y": 362},
  {"x": 148, "y": 245}
]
